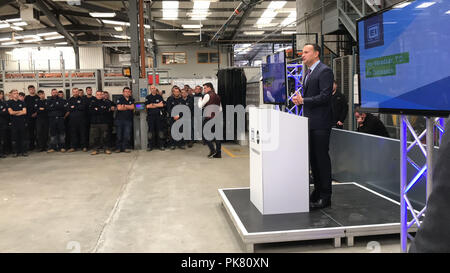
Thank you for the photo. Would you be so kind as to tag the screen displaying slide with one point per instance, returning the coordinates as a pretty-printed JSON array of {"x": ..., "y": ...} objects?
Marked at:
[
  {"x": 404, "y": 58},
  {"x": 274, "y": 79}
]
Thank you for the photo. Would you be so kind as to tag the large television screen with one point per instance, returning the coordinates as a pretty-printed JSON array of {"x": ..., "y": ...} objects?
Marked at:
[
  {"x": 404, "y": 59},
  {"x": 274, "y": 78}
]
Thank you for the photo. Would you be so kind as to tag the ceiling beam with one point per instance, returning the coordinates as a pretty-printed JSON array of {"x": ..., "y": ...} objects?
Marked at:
[
  {"x": 42, "y": 7},
  {"x": 248, "y": 9}
]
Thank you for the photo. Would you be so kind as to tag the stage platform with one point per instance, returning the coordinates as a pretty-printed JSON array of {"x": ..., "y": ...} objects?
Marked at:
[{"x": 355, "y": 211}]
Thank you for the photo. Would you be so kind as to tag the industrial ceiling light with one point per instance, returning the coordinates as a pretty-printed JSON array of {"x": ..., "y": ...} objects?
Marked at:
[
  {"x": 10, "y": 43},
  {"x": 270, "y": 12},
  {"x": 119, "y": 23},
  {"x": 20, "y": 24},
  {"x": 290, "y": 19},
  {"x": 118, "y": 28},
  {"x": 32, "y": 40},
  {"x": 191, "y": 33},
  {"x": 17, "y": 28},
  {"x": 125, "y": 37},
  {"x": 253, "y": 32},
  {"x": 192, "y": 26},
  {"x": 53, "y": 37},
  {"x": 102, "y": 14},
  {"x": 4, "y": 39},
  {"x": 4, "y": 25},
  {"x": 47, "y": 34},
  {"x": 200, "y": 10},
  {"x": 13, "y": 20},
  {"x": 170, "y": 10},
  {"x": 287, "y": 32}
]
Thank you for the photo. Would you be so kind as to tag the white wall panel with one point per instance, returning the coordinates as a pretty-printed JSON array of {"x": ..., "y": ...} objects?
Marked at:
[{"x": 91, "y": 58}]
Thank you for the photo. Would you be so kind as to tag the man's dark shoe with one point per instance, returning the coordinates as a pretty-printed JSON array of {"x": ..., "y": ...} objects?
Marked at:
[
  {"x": 313, "y": 197},
  {"x": 217, "y": 155},
  {"x": 24, "y": 154},
  {"x": 172, "y": 147},
  {"x": 149, "y": 149},
  {"x": 320, "y": 204},
  {"x": 182, "y": 147},
  {"x": 211, "y": 154},
  {"x": 162, "y": 148}
]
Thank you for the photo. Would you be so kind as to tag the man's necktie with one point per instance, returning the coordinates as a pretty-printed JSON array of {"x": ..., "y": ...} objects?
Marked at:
[{"x": 306, "y": 75}]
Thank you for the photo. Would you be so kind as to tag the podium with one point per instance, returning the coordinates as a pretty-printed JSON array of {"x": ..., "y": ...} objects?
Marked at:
[{"x": 279, "y": 161}]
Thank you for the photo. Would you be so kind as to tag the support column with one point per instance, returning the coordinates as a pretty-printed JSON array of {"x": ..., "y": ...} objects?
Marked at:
[
  {"x": 134, "y": 48},
  {"x": 134, "y": 40},
  {"x": 403, "y": 179},
  {"x": 76, "y": 49},
  {"x": 430, "y": 147}
]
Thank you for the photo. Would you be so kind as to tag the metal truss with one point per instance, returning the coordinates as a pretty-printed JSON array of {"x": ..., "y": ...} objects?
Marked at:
[
  {"x": 295, "y": 71},
  {"x": 405, "y": 186}
]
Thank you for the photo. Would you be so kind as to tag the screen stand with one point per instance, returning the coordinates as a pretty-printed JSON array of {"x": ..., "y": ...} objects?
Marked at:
[{"x": 405, "y": 185}]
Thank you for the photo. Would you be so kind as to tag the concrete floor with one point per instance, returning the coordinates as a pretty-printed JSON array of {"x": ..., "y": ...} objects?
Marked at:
[{"x": 159, "y": 201}]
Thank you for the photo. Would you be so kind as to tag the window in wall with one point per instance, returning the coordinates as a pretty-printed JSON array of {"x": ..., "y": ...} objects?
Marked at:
[
  {"x": 208, "y": 57},
  {"x": 174, "y": 58},
  {"x": 203, "y": 57}
]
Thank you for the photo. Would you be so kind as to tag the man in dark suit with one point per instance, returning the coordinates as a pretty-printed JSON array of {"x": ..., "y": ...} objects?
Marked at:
[{"x": 316, "y": 101}]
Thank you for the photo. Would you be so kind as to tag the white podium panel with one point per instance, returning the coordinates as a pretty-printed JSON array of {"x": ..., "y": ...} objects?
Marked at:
[{"x": 279, "y": 163}]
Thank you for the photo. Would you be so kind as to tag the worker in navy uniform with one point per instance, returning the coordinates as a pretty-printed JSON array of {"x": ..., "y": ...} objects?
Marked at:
[
  {"x": 188, "y": 100},
  {"x": 154, "y": 103},
  {"x": 211, "y": 98},
  {"x": 42, "y": 122},
  {"x": 124, "y": 120},
  {"x": 99, "y": 109},
  {"x": 30, "y": 102},
  {"x": 66, "y": 120},
  {"x": 8, "y": 147},
  {"x": 57, "y": 109},
  {"x": 339, "y": 107},
  {"x": 4, "y": 119},
  {"x": 172, "y": 101},
  {"x": 18, "y": 111},
  {"x": 112, "y": 109},
  {"x": 77, "y": 124},
  {"x": 88, "y": 100}
]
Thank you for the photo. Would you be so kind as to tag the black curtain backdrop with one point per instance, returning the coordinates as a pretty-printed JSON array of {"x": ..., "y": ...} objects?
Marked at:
[{"x": 232, "y": 89}]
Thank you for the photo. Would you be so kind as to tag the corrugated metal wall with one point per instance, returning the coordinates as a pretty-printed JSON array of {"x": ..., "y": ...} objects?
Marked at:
[{"x": 91, "y": 58}]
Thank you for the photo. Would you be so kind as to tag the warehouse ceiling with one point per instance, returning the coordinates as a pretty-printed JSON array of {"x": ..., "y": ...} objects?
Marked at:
[{"x": 205, "y": 22}]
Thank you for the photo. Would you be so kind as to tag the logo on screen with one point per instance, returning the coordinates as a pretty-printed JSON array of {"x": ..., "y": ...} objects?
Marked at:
[{"x": 373, "y": 35}]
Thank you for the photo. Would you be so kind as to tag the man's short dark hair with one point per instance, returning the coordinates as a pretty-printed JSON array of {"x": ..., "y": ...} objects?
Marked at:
[
  {"x": 22, "y": 94},
  {"x": 30, "y": 86},
  {"x": 88, "y": 87},
  {"x": 315, "y": 46},
  {"x": 99, "y": 91},
  {"x": 40, "y": 92},
  {"x": 210, "y": 85},
  {"x": 359, "y": 110},
  {"x": 125, "y": 88},
  {"x": 60, "y": 91}
]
